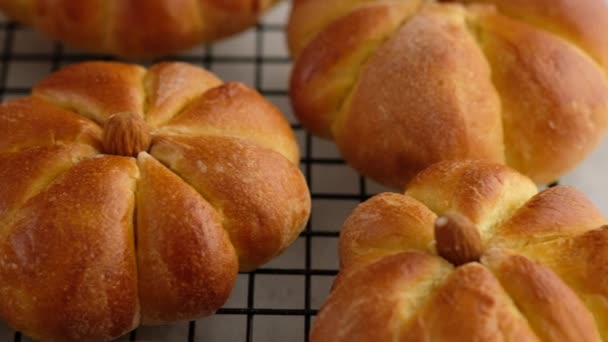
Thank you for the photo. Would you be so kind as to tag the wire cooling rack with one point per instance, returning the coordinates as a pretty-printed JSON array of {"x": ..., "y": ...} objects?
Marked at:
[{"x": 279, "y": 301}]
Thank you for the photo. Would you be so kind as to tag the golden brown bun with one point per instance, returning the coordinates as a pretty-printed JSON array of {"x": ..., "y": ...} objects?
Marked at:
[
  {"x": 540, "y": 274},
  {"x": 202, "y": 182},
  {"x": 136, "y": 28},
  {"x": 400, "y": 85}
]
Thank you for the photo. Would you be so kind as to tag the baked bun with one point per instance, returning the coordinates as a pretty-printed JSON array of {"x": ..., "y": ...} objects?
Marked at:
[
  {"x": 402, "y": 84},
  {"x": 136, "y": 28},
  {"x": 471, "y": 252},
  {"x": 133, "y": 196}
]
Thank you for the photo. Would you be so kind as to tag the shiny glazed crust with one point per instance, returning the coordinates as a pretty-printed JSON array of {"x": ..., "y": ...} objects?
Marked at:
[
  {"x": 92, "y": 244},
  {"x": 136, "y": 28},
  {"x": 541, "y": 276},
  {"x": 402, "y": 84}
]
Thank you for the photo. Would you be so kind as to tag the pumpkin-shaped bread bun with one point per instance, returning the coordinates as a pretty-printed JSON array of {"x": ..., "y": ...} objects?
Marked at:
[
  {"x": 136, "y": 28},
  {"x": 402, "y": 84},
  {"x": 471, "y": 252},
  {"x": 133, "y": 196}
]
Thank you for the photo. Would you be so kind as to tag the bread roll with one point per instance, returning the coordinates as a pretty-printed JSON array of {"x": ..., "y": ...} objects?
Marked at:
[
  {"x": 136, "y": 28},
  {"x": 471, "y": 252},
  {"x": 132, "y": 196},
  {"x": 400, "y": 85}
]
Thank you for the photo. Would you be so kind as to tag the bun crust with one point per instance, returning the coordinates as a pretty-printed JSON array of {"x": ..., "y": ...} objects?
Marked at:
[
  {"x": 400, "y": 85},
  {"x": 540, "y": 275},
  {"x": 136, "y": 28},
  {"x": 92, "y": 243}
]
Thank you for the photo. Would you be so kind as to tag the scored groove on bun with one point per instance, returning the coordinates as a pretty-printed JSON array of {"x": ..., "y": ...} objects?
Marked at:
[
  {"x": 133, "y": 196},
  {"x": 539, "y": 274},
  {"x": 400, "y": 85}
]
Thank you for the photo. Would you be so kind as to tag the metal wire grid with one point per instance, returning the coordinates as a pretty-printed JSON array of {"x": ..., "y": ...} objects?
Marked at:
[{"x": 59, "y": 55}]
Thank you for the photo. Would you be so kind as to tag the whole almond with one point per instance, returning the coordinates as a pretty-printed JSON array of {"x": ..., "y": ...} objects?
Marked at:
[
  {"x": 126, "y": 134},
  {"x": 457, "y": 239}
]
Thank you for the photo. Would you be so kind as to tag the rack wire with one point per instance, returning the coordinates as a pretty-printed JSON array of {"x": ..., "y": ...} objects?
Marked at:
[{"x": 27, "y": 57}]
